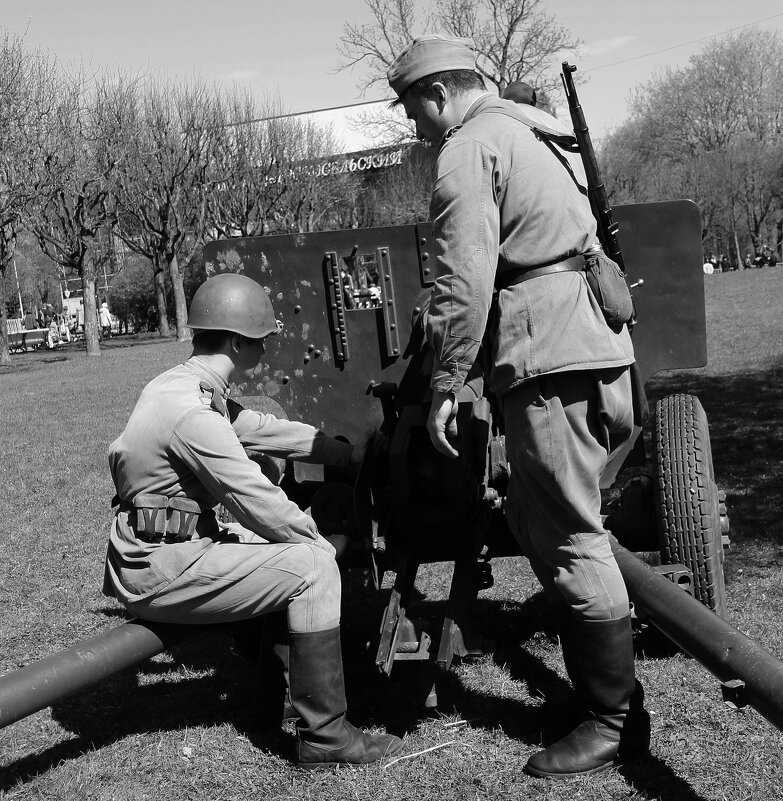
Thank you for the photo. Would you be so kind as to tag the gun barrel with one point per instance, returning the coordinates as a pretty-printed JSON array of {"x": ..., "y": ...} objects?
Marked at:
[
  {"x": 59, "y": 676},
  {"x": 726, "y": 652}
]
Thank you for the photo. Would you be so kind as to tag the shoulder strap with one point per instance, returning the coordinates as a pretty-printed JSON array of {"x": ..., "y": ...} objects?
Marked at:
[
  {"x": 541, "y": 122},
  {"x": 549, "y": 136}
]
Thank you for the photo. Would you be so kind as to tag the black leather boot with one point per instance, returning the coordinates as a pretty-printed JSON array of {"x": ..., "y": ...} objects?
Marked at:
[
  {"x": 618, "y": 726},
  {"x": 559, "y": 717},
  {"x": 325, "y": 737},
  {"x": 263, "y": 641},
  {"x": 273, "y": 662}
]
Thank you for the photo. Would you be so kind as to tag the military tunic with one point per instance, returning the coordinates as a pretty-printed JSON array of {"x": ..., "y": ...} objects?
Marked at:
[
  {"x": 503, "y": 201},
  {"x": 186, "y": 440}
]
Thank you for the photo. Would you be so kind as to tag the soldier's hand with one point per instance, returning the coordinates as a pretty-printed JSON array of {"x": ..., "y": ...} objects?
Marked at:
[{"x": 442, "y": 422}]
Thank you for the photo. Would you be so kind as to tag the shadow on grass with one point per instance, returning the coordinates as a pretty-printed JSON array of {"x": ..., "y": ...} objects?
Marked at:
[
  {"x": 204, "y": 683},
  {"x": 745, "y": 416}
]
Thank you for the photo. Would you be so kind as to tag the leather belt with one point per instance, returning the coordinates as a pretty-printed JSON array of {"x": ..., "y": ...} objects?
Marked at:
[{"x": 511, "y": 277}]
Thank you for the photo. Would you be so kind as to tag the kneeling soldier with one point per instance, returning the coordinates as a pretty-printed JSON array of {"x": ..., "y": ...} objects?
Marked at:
[{"x": 187, "y": 448}]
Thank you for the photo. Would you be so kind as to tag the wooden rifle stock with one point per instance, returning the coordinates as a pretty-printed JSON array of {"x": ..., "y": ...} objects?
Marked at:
[{"x": 596, "y": 191}]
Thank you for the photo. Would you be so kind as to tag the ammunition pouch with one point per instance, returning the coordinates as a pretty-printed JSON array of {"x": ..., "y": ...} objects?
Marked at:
[
  {"x": 604, "y": 277},
  {"x": 609, "y": 287},
  {"x": 158, "y": 518}
]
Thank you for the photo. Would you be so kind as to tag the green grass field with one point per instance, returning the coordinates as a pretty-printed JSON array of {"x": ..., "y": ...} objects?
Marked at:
[{"x": 182, "y": 726}]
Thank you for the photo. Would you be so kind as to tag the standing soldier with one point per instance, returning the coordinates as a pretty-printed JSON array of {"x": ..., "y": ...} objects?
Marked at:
[
  {"x": 188, "y": 447},
  {"x": 508, "y": 216}
]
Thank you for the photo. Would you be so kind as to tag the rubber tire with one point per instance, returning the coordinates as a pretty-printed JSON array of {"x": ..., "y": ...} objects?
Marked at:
[{"x": 687, "y": 504}]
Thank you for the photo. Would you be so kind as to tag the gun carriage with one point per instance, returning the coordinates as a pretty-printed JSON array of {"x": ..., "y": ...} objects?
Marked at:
[{"x": 351, "y": 356}]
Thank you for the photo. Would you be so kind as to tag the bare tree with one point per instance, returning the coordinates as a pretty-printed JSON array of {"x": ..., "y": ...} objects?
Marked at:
[
  {"x": 314, "y": 181},
  {"x": 249, "y": 167},
  {"x": 400, "y": 194},
  {"x": 76, "y": 157},
  {"x": 164, "y": 184},
  {"x": 374, "y": 46},
  {"x": 25, "y": 101},
  {"x": 514, "y": 39}
]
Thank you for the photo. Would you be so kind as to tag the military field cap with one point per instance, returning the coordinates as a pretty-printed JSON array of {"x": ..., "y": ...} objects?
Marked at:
[
  {"x": 427, "y": 55},
  {"x": 520, "y": 92}
]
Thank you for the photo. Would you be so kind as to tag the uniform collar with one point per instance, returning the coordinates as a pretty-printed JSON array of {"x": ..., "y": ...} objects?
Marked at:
[
  {"x": 470, "y": 112},
  {"x": 476, "y": 105},
  {"x": 202, "y": 370}
]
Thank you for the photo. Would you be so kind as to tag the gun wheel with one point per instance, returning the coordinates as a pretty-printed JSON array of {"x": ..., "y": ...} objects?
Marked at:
[{"x": 687, "y": 500}]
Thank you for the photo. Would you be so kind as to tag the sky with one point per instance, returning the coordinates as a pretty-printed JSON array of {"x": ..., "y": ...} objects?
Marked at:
[{"x": 287, "y": 49}]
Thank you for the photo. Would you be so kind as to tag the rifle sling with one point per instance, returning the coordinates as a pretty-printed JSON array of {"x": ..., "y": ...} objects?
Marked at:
[{"x": 548, "y": 140}]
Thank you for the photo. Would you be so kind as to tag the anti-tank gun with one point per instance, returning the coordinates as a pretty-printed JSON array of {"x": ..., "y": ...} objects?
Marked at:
[
  {"x": 352, "y": 366},
  {"x": 351, "y": 356}
]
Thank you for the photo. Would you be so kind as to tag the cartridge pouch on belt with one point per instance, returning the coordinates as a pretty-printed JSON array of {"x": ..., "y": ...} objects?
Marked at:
[{"x": 158, "y": 518}]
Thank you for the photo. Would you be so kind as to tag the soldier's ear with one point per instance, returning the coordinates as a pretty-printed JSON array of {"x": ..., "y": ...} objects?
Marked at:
[
  {"x": 440, "y": 93},
  {"x": 235, "y": 343}
]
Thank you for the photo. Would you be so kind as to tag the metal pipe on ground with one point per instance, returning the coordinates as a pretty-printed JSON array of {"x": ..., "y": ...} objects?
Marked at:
[
  {"x": 726, "y": 652},
  {"x": 722, "y": 649},
  {"x": 36, "y": 686}
]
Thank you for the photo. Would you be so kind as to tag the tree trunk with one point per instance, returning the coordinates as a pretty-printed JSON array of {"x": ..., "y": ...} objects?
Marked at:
[
  {"x": 180, "y": 305},
  {"x": 160, "y": 297},
  {"x": 5, "y": 353},
  {"x": 91, "y": 338}
]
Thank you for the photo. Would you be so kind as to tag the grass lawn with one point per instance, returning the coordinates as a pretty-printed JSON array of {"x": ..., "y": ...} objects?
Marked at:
[{"x": 182, "y": 726}]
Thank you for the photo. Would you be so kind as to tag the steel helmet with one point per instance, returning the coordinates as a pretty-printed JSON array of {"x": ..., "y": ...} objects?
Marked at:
[{"x": 233, "y": 302}]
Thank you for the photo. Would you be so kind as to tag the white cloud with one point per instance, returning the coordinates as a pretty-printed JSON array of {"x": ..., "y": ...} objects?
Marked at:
[{"x": 602, "y": 47}]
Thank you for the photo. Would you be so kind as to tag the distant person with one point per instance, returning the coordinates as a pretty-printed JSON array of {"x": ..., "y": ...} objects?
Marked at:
[
  {"x": 349, "y": 297},
  {"x": 30, "y": 323},
  {"x": 520, "y": 92},
  {"x": 53, "y": 337},
  {"x": 65, "y": 332},
  {"x": 104, "y": 315}
]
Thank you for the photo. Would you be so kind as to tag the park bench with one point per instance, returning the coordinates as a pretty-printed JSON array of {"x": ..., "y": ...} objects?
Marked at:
[{"x": 21, "y": 339}]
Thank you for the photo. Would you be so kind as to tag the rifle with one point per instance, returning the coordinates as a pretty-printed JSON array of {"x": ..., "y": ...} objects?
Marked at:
[
  {"x": 596, "y": 191},
  {"x": 606, "y": 226}
]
